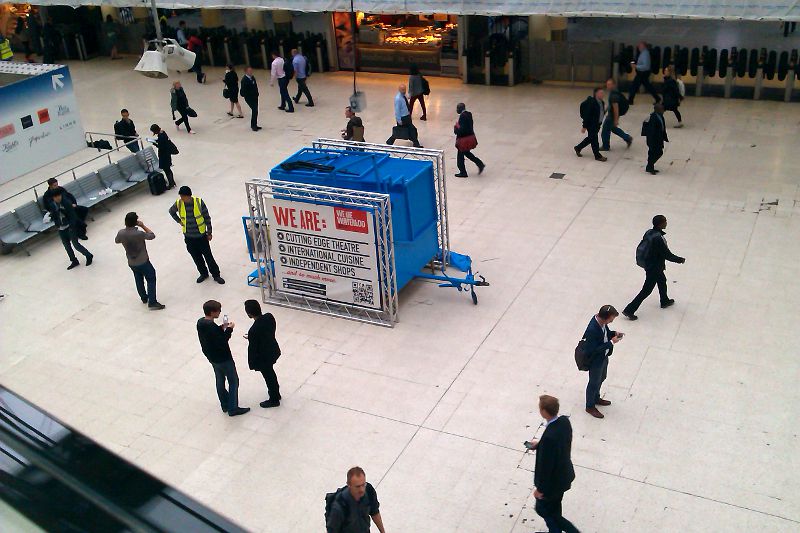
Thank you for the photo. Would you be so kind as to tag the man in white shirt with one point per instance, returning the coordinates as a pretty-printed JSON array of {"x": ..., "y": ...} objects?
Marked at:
[{"x": 277, "y": 71}]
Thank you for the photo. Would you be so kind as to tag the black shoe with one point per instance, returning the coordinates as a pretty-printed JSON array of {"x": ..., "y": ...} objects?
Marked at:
[
  {"x": 282, "y": 108},
  {"x": 156, "y": 307},
  {"x": 144, "y": 300},
  {"x": 601, "y": 159},
  {"x": 605, "y": 149},
  {"x": 651, "y": 171},
  {"x": 668, "y": 303},
  {"x": 310, "y": 104},
  {"x": 629, "y": 316},
  {"x": 460, "y": 175},
  {"x": 73, "y": 264},
  {"x": 231, "y": 114},
  {"x": 257, "y": 128},
  {"x": 202, "y": 278},
  {"x": 219, "y": 280},
  {"x": 577, "y": 152},
  {"x": 239, "y": 411},
  {"x": 296, "y": 100},
  {"x": 480, "y": 169},
  {"x": 83, "y": 238},
  {"x": 266, "y": 404},
  {"x": 290, "y": 110},
  {"x": 89, "y": 260},
  {"x": 629, "y": 142},
  {"x": 224, "y": 409}
]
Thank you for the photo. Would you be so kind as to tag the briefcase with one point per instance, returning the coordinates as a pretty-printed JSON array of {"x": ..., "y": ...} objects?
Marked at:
[{"x": 401, "y": 132}]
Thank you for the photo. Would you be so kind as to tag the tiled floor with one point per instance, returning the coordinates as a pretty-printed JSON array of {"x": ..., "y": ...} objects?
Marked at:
[{"x": 701, "y": 436}]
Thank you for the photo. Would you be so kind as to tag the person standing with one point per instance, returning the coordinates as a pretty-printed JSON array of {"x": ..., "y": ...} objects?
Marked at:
[
  {"x": 231, "y": 81},
  {"x": 110, "y": 28},
  {"x": 81, "y": 211},
  {"x": 195, "y": 45},
  {"x": 592, "y": 112},
  {"x": 642, "y": 66},
  {"x": 354, "y": 131},
  {"x": 125, "y": 130},
  {"x": 135, "y": 246},
  {"x": 64, "y": 217},
  {"x": 192, "y": 214},
  {"x": 166, "y": 149},
  {"x": 354, "y": 505},
  {"x": 6, "y": 53},
  {"x": 180, "y": 35},
  {"x": 214, "y": 341},
  {"x": 416, "y": 91},
  {"x": 599, "y": 345},
  {"x": 402, "y": 117},
  {"x": 554, "y": 473},
  {"x": 250, "y": 94},
  {"x": 301, "y": 71},
  {"x": 671, "y": 95},
  {"x": 656, "y": 137},
  {"x": 277, "y": 73},
  {"x": 263, "y": 350},
  {"x": 465, "y": 141},
  {"x": 182, "y": 107},
  {"x": 656, "y": 254},
  {"x": 617, "y": 106}
]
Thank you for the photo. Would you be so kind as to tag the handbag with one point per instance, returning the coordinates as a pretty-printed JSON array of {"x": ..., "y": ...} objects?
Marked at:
[
  {"x": 426, "y": 87},
  {"x": 465, "y": 144},
  {"x": 226, "y": 93},
  {"x": 581, "y": 357},
  {"x": 191, "y": 112}
]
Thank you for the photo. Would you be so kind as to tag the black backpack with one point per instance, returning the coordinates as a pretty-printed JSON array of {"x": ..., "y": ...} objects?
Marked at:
[
  {"x": 623, "y": 104},
  {"x": 643, "y": 250},
  {"x": 330, "y": 498}
]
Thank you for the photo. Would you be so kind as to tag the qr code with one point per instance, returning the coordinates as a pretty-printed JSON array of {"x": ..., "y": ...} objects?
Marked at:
[{"x": 362, "y": 293}]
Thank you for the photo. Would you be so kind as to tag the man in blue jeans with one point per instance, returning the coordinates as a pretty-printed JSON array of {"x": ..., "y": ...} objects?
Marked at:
[
  {"x": 133, "y": 241},
  {"x": 214, "y": 340},
  {"x": 617, "y": 106}
]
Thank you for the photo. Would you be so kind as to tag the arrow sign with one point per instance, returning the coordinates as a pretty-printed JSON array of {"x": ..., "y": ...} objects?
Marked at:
[{"x": 57, "y": 83}]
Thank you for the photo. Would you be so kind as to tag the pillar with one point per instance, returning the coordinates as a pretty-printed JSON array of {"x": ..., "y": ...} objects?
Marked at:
[
  {"x": 211, "y": 18},
  {"x": 254, "y": 19}
]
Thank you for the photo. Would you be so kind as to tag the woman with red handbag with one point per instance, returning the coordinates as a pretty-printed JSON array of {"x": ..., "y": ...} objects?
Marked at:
[{"x": 465, "y": 141}]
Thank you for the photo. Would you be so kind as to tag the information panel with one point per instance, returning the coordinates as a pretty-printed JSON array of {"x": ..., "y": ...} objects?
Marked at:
[{"x": 322, "y": 251}]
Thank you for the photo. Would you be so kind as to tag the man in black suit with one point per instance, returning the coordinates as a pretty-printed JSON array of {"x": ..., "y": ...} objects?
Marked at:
[
  {"x": 600, "y": 341},
  {"x": 554, "y": 473},
  {"x": 263, "y": 350},
  {"x": 125, "y": 130},
  {"x": 249, "y": 92},
  {"x": 592, "y": 112},
  {"x": 656, "y": 137},
  {"x": 658, "y": 254}
]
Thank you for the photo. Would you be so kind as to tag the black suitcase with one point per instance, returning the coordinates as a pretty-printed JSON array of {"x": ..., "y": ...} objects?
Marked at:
[{"x": 157, "y": 183}]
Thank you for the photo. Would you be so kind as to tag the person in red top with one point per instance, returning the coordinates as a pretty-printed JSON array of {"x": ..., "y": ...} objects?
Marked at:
[{"x": 195, "y": 44}]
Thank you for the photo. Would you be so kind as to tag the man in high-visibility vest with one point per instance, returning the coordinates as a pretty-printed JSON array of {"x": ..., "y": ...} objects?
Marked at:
[
  {"x": 192, "y": 214},
  {"x": 5, "y": 49}
]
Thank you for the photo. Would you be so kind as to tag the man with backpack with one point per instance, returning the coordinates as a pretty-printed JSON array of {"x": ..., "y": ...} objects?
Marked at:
[
  {"x": 652, "y": 254},
  {"x": 617, "y": 107},
  {"x": 592, "y": 111},
  {"x": 349, "y": 509}
]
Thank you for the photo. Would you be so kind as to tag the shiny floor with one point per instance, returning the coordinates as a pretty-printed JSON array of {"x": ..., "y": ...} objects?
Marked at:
[{"x": 702, "y": 432}]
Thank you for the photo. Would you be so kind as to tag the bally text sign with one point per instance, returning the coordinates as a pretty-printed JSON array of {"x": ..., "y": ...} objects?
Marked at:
[{"x": 325, "y": 252}]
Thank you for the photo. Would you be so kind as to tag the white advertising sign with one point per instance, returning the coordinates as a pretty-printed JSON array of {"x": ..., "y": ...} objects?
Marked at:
[{"x": 325, "y": 252}]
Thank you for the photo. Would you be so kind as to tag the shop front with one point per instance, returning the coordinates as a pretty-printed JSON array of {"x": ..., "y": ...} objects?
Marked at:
[{"x": 392, "y": 43}]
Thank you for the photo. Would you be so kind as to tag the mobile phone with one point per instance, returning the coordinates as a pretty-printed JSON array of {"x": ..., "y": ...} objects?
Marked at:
[{"x": 528, "y": 445}]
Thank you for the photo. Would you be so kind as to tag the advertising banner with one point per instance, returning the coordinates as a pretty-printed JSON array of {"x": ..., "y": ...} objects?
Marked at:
[
  {"x": 39, "y": 123},
  {"x": 324, "y": 251}
]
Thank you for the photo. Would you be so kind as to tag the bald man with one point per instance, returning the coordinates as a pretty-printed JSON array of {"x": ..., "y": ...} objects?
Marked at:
[{"x": 403, "y": 117}]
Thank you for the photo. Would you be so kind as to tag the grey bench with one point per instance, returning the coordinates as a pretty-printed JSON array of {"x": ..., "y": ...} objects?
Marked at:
[
  {"x": 12, "y": 233},
  {"x": 94, "y": 190},
  {"x": 31, "y": 217},
  {"x": 112, "y": 176}
]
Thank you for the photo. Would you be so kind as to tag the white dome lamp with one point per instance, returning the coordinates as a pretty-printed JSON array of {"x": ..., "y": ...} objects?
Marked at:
[
  {"x": 152, "y": 64},
  {"x": 168, "y": 54}
]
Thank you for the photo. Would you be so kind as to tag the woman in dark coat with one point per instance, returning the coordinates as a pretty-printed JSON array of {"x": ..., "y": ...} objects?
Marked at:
[
  {"x": 165, "y": 151},
  {"x": 263, "y": 350},
  {"x": 181, "y": 106},
  {"x": 231, "y": 81},
  {"x": 671, "y": 94}
]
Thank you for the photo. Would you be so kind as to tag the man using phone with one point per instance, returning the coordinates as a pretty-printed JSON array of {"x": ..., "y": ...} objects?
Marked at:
[
  {"x": 600, "y": 341},
  {"x": 133, "y": 240}
]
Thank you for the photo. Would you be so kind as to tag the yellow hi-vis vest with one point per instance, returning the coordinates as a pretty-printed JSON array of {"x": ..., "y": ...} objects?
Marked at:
[
  {"x": 201, "y": 222},
  {"x": 5, "y": 50}
]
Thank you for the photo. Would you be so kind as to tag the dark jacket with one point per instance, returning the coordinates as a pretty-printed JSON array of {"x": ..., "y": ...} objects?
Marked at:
[
  {"x": 64, "y": 216},
  {"x": 263, "y": 349},
  {"x": 164, "y": 145},
  {"x": 591, "y": 113},
  {"x": 350, "y": 516},
  {"x": 656, "y": 131},
  {"x": 554, "y": 472},
  {"x": 66, "y": 196},
  {"x": 464, "y": 128},
  {"x": 214, "y": 341},
  {"x": 125, "y": 130},
  {"x": 249, "y": 88},
  {"x": 659, "y": 252},
  {"x": 181, "y": 101},
  {"x": 232, "y": 82},
  {"x": 349, "y": 133},
  {"x": 671, "y": 94},
  {"x": 595, "y": 347}
]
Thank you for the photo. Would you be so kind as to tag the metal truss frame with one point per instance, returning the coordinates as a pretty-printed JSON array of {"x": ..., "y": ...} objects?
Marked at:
[{"x": 258, "y": 189}]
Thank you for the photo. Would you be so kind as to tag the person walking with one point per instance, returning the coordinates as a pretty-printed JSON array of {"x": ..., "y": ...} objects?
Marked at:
[
  {"x": 195, "y": 45},
  {"x": 416, "y": 91},
  {"x": 64, "y": 217},
  {"x": 214, "y": 341},
  {"x": 277, "y": 72},
  {"x": 656, "y": 135},
  {"x": 111, "y": 31},
  {"x": 352, "y": 506},
  {"x": 642, "y": 66},
  {"x": 554, "y": 473},
  {"x": 617, "y": 106},
  {"x": 249, "y": 92},
  {"x": 263, "y": 350},
  {"x": 166, "y": 149},
  {"x": 354, "y": 131},
  {"x": 24, "y": 35},
  {"x": 182, "y": 107},
  {"x": 465, "y": 141},
  {"x": 301, "y": 72},
  {"x": 125, "y": 130},
  {"x": 133, "y": 240},
  {"x": 402, "y": 116},
  {"x": 81, "y": 211},
  {"x": 654, "y": 254},
  {"x": 599, "y": 345},
  {"x": 231, "y": 81},
  {"x": 671, "y": 95},
  {"x": 592, "y": 112},
  {"x": 192, "y": 214}
]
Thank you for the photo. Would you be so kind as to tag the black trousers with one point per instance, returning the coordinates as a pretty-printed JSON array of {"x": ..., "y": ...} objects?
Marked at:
[
  {"x": 252, "y": 103},
  {"x": 642, "y": 78},
  {"x": 283, "y": 87},
  {"x": 184, "y": 119},
  {"x": 200, "y": 250},
  {"x": 80, "y": 226},
  {"x": 69, "y": 238},
  {"x": 197, "y": 68},
  {"x": 302, "y": 88},
  {"x": 654, "y": 153},
  {"x": 591, "y": 138},
  {"x": 412, "y": 131},
  {"x": 652, "y": 279},
  {"x": 273, "y": 388},
  {"x": 469, "y": 155},
  {"x": 549, "y": 508}
]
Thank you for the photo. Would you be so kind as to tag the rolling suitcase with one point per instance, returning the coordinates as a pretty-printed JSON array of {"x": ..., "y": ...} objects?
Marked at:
[{"x": 157, "y": 183}]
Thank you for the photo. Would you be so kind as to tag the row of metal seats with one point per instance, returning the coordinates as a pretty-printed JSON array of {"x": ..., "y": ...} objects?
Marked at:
[{"x": 27, "y": 221}]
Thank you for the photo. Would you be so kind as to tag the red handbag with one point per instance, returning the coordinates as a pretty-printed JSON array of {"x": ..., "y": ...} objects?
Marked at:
[{"x": 465, "y": 144}]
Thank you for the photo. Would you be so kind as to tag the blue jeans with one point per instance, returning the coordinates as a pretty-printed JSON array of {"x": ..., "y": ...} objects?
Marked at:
[
  {"x": 228, "y": 399},
  {"x": 597, "y": 375},
  {"x": 143, "y": 272},
  {"x": 608, "y": 128}
]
